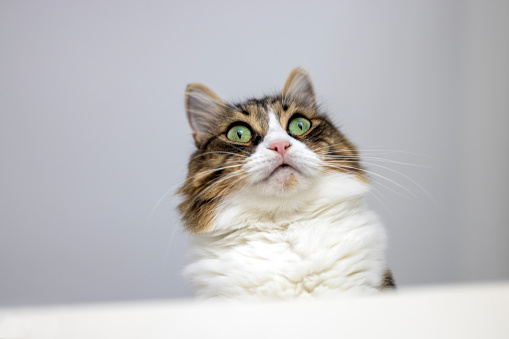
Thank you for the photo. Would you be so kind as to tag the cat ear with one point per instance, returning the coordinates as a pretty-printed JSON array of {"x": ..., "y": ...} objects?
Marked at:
[
  {"x": 202, "y": 106},
  {"x": 298, "y": 87}
]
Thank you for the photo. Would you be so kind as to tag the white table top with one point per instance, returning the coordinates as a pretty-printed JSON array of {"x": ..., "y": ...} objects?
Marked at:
[{"x": 473, "y": 311}]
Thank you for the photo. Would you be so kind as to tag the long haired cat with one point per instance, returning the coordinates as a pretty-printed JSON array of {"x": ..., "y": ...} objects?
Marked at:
[{"x": 275, "y": 200}]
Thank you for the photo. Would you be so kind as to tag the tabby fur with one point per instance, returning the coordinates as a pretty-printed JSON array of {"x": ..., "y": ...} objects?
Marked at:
[{"x": 233, "y": 217}]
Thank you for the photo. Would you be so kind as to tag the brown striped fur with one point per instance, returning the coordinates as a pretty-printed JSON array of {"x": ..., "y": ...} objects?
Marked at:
[{"x": 388, "y": 281}]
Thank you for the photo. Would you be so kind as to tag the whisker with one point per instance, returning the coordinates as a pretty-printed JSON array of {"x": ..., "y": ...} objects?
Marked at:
[
  {"x": 367, "y": 151},
  {"x": 171, "y": 190},
  {"x": 379, "y": 183},
  {"x": 163, "y": 197},
  {"x": 218, "y": 169},
  {"x": 169, "y": 246},
  {"x": 361, "y": 158},
  {"x": 377, "y": 175},
  {"x": 219, "y": 152},
  {"x": 215, "y": 184},
  {"x": 385, "y": 151},
  {"x": 349, "y": 159},
  {"x": 380, "y": 200},
  {"x": 233, "y": 183},
  {"x": 241, "y": 150},
  {"x": 240, "y": 164},
  {"x": 406, "y": 177}
]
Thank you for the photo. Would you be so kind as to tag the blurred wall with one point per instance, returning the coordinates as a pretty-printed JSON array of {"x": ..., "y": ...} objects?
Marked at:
[
  {"x": 484, "y": 250},
  {"x": 93, "y": 135}
]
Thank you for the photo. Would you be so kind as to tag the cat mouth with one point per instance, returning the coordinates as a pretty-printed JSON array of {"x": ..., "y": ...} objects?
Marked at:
[
  {"x": 282, "y": 178},
  {"x": 283, "y": 168}
]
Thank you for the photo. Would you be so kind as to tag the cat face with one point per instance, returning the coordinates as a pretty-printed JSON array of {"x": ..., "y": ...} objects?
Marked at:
[{"x": 273, "y": 149}]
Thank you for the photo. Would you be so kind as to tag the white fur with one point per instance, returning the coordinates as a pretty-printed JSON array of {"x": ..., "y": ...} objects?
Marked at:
[
  {"x": 264, "y": 161},
  {"x": 316, "y": 239}
]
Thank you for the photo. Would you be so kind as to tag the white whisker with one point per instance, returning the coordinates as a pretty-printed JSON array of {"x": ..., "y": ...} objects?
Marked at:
[
  {"x": 406, "y": 177},
  {"x": 340, "y": 166},
  {"x": 218, "y": 152}
]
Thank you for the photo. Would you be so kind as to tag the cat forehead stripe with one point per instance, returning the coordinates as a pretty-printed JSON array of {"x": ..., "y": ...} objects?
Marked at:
[{"x": 273, "y": 121}]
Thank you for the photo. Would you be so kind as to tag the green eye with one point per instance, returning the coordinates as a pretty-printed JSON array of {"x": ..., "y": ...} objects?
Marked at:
[
  {"x": 299, "y": 126},
  {"x": 239, "y": 133}
]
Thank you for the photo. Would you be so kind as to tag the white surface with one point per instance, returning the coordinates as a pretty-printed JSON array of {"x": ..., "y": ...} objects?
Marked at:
[{"x": 480, "y": 311}]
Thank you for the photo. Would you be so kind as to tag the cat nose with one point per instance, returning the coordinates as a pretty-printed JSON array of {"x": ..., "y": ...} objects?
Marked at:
[{"x": 280, "y": 147}]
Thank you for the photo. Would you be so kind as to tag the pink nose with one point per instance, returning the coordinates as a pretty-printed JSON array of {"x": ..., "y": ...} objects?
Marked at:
[{"x": 280, "y": 147}]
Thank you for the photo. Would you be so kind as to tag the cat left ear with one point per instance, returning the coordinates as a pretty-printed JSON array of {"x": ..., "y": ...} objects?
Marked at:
[
  {"x": 202, "y": 107},
  {"x": 298, "y": 87}
]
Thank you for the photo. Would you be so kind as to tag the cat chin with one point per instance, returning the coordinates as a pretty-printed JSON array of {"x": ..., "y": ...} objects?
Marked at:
[
  {"x": 283, "y": 180},
  {"x": 262, "y": 203},
  {"x": 286, "y": 187}
]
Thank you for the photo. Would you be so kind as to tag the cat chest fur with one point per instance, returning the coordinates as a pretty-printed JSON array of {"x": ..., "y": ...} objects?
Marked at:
[{"x": 336, "y": 250}]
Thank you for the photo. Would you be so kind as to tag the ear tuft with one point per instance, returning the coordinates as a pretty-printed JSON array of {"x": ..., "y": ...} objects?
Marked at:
[
  {"x": 202, "y": 107},
  {"x": 299, "y": 87}
]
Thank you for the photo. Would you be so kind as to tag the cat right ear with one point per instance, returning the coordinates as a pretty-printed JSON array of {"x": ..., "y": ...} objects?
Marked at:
[
  {"x": 202, "y": 106},
  {"x": 299, "y": 87}
]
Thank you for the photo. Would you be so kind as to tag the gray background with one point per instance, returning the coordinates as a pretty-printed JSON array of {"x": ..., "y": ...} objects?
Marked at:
[{"x": 93, "y": 131}]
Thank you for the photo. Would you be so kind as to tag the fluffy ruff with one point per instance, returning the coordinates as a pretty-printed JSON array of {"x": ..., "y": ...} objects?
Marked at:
[{"x": 323, "y": 242}]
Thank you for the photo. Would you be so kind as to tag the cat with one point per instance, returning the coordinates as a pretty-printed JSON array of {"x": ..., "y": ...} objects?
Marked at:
[{"x": 275, "y": 200}]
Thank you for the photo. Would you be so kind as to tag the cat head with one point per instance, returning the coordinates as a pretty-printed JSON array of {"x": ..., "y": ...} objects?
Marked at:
[{"x": 268, "y": 152}]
